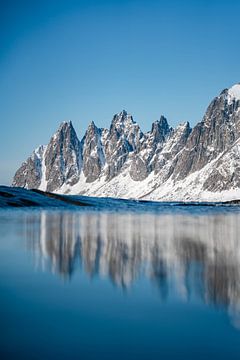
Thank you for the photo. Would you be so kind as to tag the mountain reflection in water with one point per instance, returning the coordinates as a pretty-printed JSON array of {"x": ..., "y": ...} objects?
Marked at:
[{"x": 179, "y": 254}]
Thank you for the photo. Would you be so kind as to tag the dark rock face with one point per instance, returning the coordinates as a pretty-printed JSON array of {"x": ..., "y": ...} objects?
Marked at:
[
  {"x": 138, "y": 169},
  {"x": 166, "y": 158},
  {"x": 164, "y": 152},
  {"x": 63, "y": 158},
  {"x": 225, "y": 173},
  {"x": 216, "y": 133},
  {"x": 160, "y": 131},
  {"x": 123, "y": 138},
  {"x": 30, "y": 173},
  {"x": 93, "y": 156}
]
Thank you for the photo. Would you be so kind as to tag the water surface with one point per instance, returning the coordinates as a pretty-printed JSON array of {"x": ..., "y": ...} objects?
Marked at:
[{"x": 120, "y": 285}]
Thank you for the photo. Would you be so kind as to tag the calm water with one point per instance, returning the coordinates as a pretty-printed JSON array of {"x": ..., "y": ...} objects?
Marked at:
[{"x": 136, "y": 285}]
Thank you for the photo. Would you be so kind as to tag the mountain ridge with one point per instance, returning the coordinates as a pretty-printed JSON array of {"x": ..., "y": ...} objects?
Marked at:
[{"x": 199, "y": 163}]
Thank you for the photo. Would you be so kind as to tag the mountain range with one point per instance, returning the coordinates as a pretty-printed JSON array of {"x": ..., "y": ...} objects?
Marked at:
[{"x": 190, "y": 164}]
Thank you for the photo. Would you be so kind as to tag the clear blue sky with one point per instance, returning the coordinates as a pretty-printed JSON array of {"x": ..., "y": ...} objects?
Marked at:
[{"x": 87, "y": 60}]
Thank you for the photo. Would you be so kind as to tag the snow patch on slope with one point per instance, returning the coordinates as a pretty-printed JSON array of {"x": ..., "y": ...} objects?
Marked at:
[
  {"x": 234, "y": 93},
  {"x": 152, "y": 188},
  {"x": 43, "y": 185}
]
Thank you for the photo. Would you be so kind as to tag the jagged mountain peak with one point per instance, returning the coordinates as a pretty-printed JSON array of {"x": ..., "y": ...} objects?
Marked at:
[
  {"x": 162, "y": 120},
  {"x": 124, "y": 162},
  {"x": 222, "y": 112},
  {"x": 62, "y": 158},
  {"x": 160, "y": 123},
  {"x": 123, "y": 113},
  {"x": 65, "y": 132},
  {"x": 92, "y": 124},
  {"x": 92, "y": 128},
  {"x": 66, "y": 124},
  {"x": 122, "y": 119},
  {"x": 93, "y": 155},
  {"x": 160, "y": 129}
]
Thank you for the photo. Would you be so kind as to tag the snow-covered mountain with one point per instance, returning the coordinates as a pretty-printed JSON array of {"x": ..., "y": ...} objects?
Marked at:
[{"x": 202, "y": 163}]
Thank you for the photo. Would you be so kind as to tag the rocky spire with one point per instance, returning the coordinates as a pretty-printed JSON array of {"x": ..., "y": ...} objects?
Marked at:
[
  {"x": 63, "y": 158},
  {"x": 93, "y": 154},
  {"x": 160, "y": 130}
]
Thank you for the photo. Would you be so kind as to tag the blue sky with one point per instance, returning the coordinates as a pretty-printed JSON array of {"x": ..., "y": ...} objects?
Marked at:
[{"x": 87, "y": 60}]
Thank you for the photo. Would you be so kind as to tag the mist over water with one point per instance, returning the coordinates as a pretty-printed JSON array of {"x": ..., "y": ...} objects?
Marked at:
[{"x": 184, "y": 266}]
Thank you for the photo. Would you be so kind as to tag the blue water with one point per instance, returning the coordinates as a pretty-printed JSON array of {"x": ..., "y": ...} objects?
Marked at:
[{"x": 130, "y": 284}]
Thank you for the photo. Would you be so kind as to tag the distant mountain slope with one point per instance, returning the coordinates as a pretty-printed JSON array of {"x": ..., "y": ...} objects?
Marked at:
[{"x": 202, "y": 163}]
